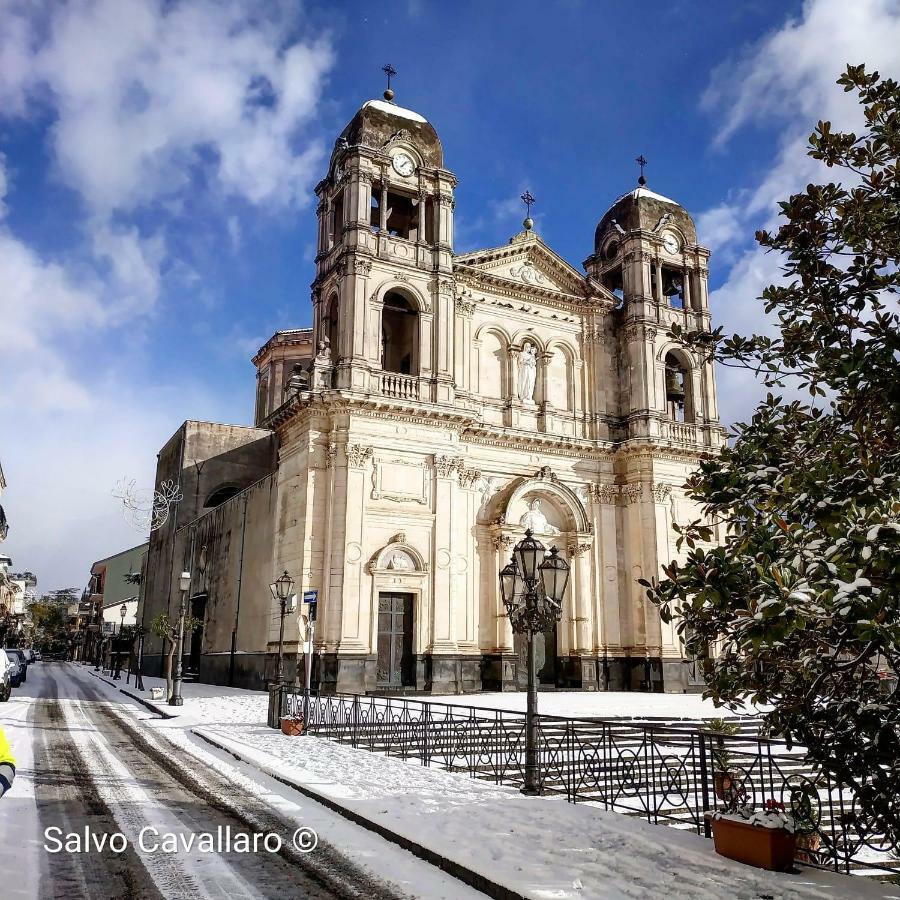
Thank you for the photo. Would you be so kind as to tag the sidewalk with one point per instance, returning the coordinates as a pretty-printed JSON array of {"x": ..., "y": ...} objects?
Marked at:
[
  {"x": 532, "y": 847},
  {"x": 489, "y": 836}
]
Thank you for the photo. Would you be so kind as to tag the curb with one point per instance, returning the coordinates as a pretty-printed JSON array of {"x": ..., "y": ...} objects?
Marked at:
[
  {"x": 151, "y": 706},
  {"x": 456, "y": 870}
]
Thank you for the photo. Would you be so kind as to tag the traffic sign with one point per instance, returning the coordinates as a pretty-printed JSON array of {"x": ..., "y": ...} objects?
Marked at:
[{"x": 310, "y": 596}]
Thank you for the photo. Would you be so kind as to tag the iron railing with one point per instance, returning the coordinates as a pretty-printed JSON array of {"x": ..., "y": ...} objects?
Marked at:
[{"x": 666, "y": 773}]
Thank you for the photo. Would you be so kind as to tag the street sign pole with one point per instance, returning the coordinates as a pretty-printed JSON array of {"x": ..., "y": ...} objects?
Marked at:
[{"x": 310, "y": 598}]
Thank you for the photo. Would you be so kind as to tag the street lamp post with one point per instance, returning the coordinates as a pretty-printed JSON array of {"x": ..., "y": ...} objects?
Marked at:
[
  {"x": 532, "y": 586},
  {"x": 184, "y": 583},
  {"x": 282, "y": 589},
  {"x": 123, "y": 611}
]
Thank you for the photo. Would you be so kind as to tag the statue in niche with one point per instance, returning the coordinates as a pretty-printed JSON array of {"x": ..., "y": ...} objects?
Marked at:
[
  {"x": 527, "y": 360},
  {"x": 535, "y": 521},
  {"x": 399, "y": 561}
]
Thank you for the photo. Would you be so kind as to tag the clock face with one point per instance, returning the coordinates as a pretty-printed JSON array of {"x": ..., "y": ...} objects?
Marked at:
[
  {"x": 671, "y": 243},
  {"x": 403, "y": 164}
]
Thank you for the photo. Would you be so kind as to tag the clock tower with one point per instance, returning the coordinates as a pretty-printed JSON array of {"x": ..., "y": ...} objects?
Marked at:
[{"x": 383, "y": 292}]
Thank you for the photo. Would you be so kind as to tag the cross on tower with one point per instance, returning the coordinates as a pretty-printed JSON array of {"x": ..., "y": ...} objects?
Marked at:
[
  {"x": 641, "y": 162},
  {"x": 527, "y": 199},
  {"x": 390, "y": 71}
]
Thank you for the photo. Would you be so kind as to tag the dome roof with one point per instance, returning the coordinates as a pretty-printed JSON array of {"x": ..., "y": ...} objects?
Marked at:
[
  {"x": 642, "y": 210},
  {"x": 377, "y": 121}
]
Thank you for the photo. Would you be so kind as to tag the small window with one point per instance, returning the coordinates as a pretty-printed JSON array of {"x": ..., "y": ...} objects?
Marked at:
[
  {"x": 220, "y": 495},
  {"x": 673, "y": 288},
  {"x": 612, "y": 281},
  {"x": 375, "y": 209},
  {"x": 337, "y": 219}
]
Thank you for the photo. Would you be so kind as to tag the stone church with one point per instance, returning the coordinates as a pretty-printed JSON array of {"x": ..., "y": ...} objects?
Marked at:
[{"x": 439, "y": 405}]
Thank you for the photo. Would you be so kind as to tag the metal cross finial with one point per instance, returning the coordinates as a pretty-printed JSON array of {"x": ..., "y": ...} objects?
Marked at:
[
  {"x": 390, "y": 71},
  {"x": 641, "y": 162},
  {"x": 527, "y": 199}
]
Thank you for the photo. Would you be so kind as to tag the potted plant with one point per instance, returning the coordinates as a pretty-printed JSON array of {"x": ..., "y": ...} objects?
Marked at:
[
  {"x": 763, "y": 838},
  {"x": 723, "y": 777},
  {"x": 804, "y": 810},
  {"x": 292, "y": 726}
]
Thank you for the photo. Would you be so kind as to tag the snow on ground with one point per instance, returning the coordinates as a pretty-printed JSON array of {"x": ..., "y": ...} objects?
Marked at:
[
  {"x": 542, "y": 847},
  {"x": 18, "y": 809},
  {"x": 599, "y": 704}
]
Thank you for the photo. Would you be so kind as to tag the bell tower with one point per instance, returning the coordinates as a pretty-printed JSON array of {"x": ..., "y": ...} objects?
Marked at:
[
  {"x": 383, "y": 292},
  {"x": 646, "y": 253}
]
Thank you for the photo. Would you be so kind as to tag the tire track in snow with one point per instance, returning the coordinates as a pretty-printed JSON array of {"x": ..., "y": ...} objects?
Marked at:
[{"x": 133, "y": 808}]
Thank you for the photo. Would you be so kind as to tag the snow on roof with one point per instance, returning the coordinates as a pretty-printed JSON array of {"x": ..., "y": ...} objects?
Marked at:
[
  {"x": 639, "y": 192},
  {"x": 394, "y": 110}
]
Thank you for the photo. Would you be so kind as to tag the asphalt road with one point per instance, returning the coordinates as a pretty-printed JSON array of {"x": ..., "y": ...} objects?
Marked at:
[{"x": 90, "y": 766}]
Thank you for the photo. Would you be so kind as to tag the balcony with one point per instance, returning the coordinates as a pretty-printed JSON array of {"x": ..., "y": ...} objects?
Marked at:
[
  {"x": 681, "y": 432},
  {"x": 401, "y": 387}
]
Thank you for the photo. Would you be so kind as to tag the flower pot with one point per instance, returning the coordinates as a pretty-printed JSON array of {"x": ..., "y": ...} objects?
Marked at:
[
  {"x": 765, "y": 848},
  {"x": 292, "y": 727}
]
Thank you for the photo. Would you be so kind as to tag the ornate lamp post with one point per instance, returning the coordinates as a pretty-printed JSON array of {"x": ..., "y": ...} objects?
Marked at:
[
  {"x": 123, "y": 611},
  {"x": 184, "y": 583},
  {"x": 282, "y": 589},
  {"x": 532, "y": 587}
]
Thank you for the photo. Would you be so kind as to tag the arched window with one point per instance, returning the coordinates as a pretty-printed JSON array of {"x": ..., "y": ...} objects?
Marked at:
[
  {"x": 221, "y": 494},
  {"x": 679, "y": 389},
  {"x": 399, "y": 335},
  {"x": 331, "y": 326}
]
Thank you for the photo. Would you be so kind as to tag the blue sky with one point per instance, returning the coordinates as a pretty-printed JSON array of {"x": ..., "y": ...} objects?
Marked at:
[{"x": 158, "y": 159}]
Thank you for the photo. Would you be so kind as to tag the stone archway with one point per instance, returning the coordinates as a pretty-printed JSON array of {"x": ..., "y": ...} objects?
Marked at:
[{"x": 556, "y": 516}]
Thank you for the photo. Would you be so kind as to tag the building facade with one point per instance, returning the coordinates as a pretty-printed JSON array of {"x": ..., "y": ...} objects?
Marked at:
[{"x": 439, "y": 406}]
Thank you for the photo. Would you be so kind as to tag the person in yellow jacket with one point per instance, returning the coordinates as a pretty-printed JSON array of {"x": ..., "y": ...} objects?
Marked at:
[{"x": 7, "y": 765}]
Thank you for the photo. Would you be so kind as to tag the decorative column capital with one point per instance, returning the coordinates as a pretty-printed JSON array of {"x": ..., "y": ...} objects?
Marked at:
[{"x": 358, "y": 455}]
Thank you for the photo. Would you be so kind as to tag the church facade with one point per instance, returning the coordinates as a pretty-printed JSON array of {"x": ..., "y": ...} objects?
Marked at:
[{"x": 439, "y": 406}]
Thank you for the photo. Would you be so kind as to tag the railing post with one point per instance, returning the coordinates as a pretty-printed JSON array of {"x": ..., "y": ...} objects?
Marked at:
[
  {"x": 704, "y": 784},
  {"x": 354, "y": 722}
]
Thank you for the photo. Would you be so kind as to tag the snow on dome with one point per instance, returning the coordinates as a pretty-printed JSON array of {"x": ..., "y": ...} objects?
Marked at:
[
  {"x": 640, "y": 192},
  {"x": 394, "y": 110}
]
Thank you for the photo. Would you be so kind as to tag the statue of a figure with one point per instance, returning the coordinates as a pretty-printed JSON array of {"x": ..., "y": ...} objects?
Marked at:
[
  {"x": 536, "y": 521},
  {"x": 527, "y": 372},
  {"x": 399, "y": 561}
]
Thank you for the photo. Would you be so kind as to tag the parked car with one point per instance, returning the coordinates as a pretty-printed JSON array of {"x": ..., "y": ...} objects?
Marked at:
[
  {"x": 37, "y": 656},
  {"x": 6, "y": 671},
  {"x": 16, "y": 667},
  {"x": 23, "y": 660}
]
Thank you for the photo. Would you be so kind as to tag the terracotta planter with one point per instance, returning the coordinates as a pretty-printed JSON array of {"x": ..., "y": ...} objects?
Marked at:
[
  {"x": 292, "y": 727},
  {"x": 765, "y": 848}
]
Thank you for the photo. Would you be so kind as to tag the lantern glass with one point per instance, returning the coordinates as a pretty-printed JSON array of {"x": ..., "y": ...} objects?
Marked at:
[
  {"x": 185, "y": 580},
  {"x": 508, "y": 577},
  {"x": 282, "y": 587},
  {"x": 529, "y": 554},
  {"x": 554, "y": 576},
  {"x": 123, "y": 610}
]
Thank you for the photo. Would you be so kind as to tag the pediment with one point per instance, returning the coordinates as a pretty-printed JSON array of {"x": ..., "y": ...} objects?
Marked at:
[{"x": 529, "y": 262}]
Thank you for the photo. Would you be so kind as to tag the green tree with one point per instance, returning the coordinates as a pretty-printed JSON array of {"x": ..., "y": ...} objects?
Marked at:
[
  {"x": 802, "y": 601},
  {"x": 50, "y": 623}
]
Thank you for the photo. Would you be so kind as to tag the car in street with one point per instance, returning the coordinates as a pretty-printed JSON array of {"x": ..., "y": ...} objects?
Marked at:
[
  {"x": 23, "y": 660},
  {"x": 37, "y": 656},
  {"x": 16, "y": 667},
  {"x": 6, "y": 685}
]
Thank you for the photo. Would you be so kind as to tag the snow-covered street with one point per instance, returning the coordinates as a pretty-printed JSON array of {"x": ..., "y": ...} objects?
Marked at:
[
  {"x": 89, "y": 766},
  {"x": 91, "y": 758}
]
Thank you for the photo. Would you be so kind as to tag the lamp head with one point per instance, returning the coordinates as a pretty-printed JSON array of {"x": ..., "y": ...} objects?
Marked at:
[
  {"x": 554, "y": 576},
  {"x": 185, "y": 581},
  {"x": 282, "y": 587},
  {"x": 529, "y": 554}
]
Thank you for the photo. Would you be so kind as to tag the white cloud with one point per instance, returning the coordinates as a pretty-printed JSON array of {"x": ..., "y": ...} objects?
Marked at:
[
  {"x": 158, "y": 108},
  {"x": 146, "y": 92},
  {"x": 785, "y": 81}
]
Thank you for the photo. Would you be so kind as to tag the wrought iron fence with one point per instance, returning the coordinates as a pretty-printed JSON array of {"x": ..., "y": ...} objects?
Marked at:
[{"x": 665, "y": 773}]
